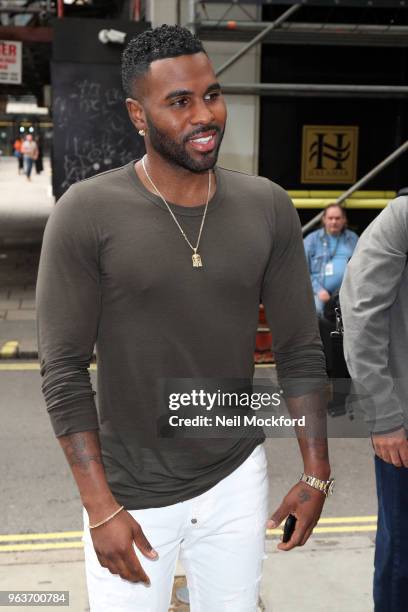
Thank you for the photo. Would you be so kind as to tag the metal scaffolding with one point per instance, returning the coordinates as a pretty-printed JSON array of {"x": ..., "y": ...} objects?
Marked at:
[
  {"x": 258, "y": 38},
  {"x": 323, "y": 90},
  {"x": 283, "y": 31},
  {"x": 224, "y": 28},
  {"x": 289, "y": 32},
  {"x": 360, "y": 183}
]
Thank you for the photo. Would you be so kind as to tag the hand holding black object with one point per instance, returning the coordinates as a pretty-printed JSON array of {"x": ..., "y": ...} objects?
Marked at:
[
  {"x": 289, "y": 528},
  {"x": 305, "y": 504}
]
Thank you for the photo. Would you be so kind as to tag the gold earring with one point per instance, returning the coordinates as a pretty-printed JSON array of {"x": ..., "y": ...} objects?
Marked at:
[{"x": 142, "y": 133}]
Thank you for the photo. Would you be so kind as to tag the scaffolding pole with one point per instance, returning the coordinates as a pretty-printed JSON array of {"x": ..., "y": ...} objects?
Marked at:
[
  {"x": 257, "y": 39},
  {"x": 299, "y": 26},
  {"x": 313, "y": 89},
  {"x": 192, "y": 13},
  {"x": 360, "y": 183}
]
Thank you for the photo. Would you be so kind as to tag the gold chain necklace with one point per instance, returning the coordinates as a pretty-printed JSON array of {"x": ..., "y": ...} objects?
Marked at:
[{"x": 196, "y": 257}]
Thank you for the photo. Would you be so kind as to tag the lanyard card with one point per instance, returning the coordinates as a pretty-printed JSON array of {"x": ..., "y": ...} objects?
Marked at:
[{"x": 329, "y": 271}]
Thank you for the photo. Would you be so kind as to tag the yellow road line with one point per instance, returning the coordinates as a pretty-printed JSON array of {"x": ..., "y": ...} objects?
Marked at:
[
  {"x": 9, "y": 349},
  {"x": 26, "y": 547},
  {"x": 348, "y": 519},
  {"x": 20, "y": 367},
  {"x": 29, "y": 537},
  {"x": 349, "y": 526},
  {"x": 344, "y": 529},
  {"x": 44, "y": 546}
]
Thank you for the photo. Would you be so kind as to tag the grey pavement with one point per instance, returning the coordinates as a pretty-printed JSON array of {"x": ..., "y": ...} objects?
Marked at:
[
  {"x": 327, "y": 574},
  {"x": 40, "y": 503},
  {"x": 18, "y": 273},
  {"x": 39, "y": 500},
  {"x": 24, "y": 210},
  {"x": 24, "y": 205}
]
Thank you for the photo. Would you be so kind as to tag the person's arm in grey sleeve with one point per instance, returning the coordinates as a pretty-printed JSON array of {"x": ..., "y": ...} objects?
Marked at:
[
  {"x": 369, "y": 289},
  {"x": 289, "y": 305},
  {"x": 68, "y": 304},
  {"x": 68, "y": 309},
  {"x": 288, "y": 300}
]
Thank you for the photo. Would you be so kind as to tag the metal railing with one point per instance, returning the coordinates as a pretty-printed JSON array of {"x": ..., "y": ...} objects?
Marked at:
[{"x": 317, "y": 89}]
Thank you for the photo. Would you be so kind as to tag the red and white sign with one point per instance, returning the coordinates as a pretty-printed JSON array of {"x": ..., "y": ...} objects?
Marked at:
[{"x": 10, "y": 62}]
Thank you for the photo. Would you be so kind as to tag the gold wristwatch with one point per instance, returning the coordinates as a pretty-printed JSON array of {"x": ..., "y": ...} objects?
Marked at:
[{"x": 325, "y": 486}]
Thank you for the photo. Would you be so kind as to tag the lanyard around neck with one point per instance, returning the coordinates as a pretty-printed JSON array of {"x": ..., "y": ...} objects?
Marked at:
[{"x": 327, "y": 243}]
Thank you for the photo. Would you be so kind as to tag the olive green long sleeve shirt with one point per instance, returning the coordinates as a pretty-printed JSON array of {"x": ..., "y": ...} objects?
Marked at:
[{"x": 116, "y": 272}]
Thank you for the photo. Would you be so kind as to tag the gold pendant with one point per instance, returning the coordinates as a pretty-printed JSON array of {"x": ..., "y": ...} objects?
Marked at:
[{"x": 197, "y": 263}]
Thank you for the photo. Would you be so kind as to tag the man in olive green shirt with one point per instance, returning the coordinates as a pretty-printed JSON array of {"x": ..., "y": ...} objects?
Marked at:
[{"x": 162, "y": 264}]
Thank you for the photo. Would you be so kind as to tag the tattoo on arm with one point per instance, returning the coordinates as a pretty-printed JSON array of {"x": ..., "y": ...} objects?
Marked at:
[
  {"x": 77, "y": 453},
  {"x": 304, "y": 496}
]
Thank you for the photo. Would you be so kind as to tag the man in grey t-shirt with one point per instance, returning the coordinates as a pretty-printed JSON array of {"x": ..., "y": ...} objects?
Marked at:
[
  {"x": 374, "y": 303},
  {"x": 162, "y": 264}
]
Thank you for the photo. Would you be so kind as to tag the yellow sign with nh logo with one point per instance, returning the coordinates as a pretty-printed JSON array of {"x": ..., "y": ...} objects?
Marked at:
[{"x": 329, "y": 154}]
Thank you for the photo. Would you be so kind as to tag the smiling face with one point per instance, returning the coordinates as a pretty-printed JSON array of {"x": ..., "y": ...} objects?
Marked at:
[
  {"x": 334, "y": 220},
  {"x": 181, "y": 107}
]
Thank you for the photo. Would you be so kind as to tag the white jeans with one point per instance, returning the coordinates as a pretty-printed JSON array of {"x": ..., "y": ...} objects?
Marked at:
[{"x": 219, "y": 536}]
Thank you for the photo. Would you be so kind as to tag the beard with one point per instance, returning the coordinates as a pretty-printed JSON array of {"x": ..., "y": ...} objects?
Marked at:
[{"x": 175, "y": 152}]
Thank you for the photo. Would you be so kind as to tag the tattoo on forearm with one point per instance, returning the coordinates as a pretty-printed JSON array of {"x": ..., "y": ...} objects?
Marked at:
[
  {"x": 77, "y": 453},
  {"x": 304, "y": 496}
]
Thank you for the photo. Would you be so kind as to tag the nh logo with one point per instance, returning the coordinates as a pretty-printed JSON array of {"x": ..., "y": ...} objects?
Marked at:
[
  {"x": 329, "y": 154},
  {"x": 321, "y": 150}
]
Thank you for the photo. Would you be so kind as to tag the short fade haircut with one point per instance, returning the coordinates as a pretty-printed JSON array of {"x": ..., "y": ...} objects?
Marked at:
[{"x": 159, "y": 43}]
